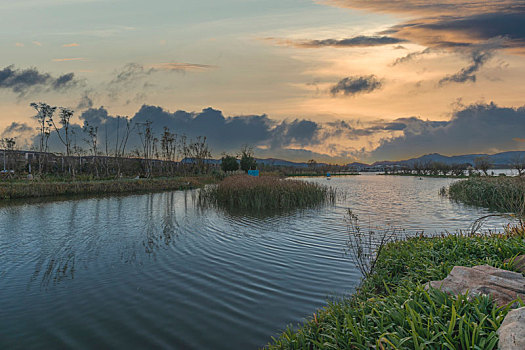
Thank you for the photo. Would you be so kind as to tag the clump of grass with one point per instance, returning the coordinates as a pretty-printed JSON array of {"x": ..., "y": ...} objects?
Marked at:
[
  {"x": 265, "y": 193},
  {"x": 506, "y": 194},
  {"x": 392, "y": 310}
]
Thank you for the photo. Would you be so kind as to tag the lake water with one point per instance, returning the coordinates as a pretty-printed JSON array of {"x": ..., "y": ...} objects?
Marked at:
[{"x": 154, "y": 271}]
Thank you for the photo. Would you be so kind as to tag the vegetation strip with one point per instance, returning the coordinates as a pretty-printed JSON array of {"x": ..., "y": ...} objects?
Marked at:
[
  {"x": 26, "y": 189},
  {"x": 392, "y": 310}
]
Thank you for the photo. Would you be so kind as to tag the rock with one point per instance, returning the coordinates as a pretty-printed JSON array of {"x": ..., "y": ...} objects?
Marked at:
[
  {"x": 512, "y": 331},
  {"x": 518, "y": 264},
  {"x": 504, "y": 286}
]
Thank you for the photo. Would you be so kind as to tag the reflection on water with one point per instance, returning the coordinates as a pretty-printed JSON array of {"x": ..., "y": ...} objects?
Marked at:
[{"x": 154, "y": 270}]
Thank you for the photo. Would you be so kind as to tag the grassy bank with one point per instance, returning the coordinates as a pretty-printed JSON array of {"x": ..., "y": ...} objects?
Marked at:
[
  {"x": 506, "y": 194},
  {"x": 265, "y": 193},
  {"x": 35, "y": 189},
  {"x": 392, "y": 310}
]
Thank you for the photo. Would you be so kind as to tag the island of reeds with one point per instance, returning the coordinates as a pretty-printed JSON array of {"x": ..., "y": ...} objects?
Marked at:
[
  {"x": 265, "y": 193},
  {"x": 504, "y": 193}
]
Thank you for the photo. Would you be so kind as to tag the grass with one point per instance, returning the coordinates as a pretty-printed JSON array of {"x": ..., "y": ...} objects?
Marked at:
[
  {"x": 36, "y": 189},
  {"x": 265, "y": 193},
  {"x": 506, "y": 194},
  {"x": 392, "y": 310}
]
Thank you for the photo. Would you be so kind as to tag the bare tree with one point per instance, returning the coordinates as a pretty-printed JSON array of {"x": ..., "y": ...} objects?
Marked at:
[
  {"x": 65, "y": 115},
  {"x": 518, "y": 163},
  {"x": 168, "y": 143},
  {"x": 482, "y": 163},
  {"x": 147, "y": 140},
  {"x": 44, "y": 118},
  {"x": 92, "y": 141},
  {"x": 121, "y": 141}
]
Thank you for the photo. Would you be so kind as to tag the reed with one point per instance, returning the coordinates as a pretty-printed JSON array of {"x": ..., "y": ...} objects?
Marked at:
[
  {"x": 35, "y": 189},
  {"x": 265, "y": 193},
  {"x": 506, "y": 194},
  {"x": 392, "y": 310}
]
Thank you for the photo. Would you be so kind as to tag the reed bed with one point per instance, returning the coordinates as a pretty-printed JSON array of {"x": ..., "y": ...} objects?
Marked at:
[
  {"x": 265, "y": 193},
  {"x": 35, "y": 189},
  {"x": 392, "y": 310},
  {"x": 506, "y": 194}
]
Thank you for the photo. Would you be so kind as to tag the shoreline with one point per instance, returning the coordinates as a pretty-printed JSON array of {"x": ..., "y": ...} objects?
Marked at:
[
  {"x": 392, "y": 308},
  {"x": 49, "y": 189}
]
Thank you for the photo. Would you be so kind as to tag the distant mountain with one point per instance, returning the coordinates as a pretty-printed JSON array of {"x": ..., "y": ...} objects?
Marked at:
[{"x": 498, "y": 160}]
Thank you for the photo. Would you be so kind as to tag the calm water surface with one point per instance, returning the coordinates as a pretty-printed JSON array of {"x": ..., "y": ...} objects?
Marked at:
[{"x": 153, "y": 271}]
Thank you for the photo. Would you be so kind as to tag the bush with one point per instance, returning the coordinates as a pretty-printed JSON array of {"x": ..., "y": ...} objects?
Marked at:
[{"x": 229, "y": 163}]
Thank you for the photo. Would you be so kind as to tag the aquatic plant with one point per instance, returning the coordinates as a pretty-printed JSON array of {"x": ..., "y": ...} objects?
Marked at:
[
  {"x": 506, "y": 194},
  {"x": 265, "y": 193},
  {"x": 392, "y": 310}
]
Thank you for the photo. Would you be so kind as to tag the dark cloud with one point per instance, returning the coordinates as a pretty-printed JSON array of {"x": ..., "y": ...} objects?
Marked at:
[
  {"x": 479, "y": 58},
  {"x": 15, "y": 128},
  {"x": 480, "y": 128},
  {"x": 130, "y": 72},
  {"x": 451, "y": 24},
  {"x": 356, "y": 41},
  {"x": 351, "y": 86},
  {"x": 411, "y": 56},
  {"x": 85, "y": 102},
  {"x": 23, "y": 81}
]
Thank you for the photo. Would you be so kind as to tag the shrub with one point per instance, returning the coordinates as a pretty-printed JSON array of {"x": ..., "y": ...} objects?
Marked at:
[{"x": 229, "y": 163}]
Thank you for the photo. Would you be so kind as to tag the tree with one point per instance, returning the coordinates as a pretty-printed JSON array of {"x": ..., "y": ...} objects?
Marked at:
[
  {"x": 92, "y": 141},
  {"x": 248, "y": 161},
  {"x": 518, "y": 163},
  {"x": 198, "y": 152},
  {"x": 44, "y": 118},
  {"x": 65, "y": 118},
  {"x": 229, "y": 163},
  {"x": 121, "y": 141},
  {"x": 482, "y": 163}
]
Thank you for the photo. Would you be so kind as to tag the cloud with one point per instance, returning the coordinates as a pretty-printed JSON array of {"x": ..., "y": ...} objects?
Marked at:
[
  {"x": 479, "y": 128},
  {"x": 356, "y": 41},
  {"x": 479, "y": 58},
  {"x": 130, "y": 72},
  {"x": 85, "y": 102},
  {"x": 37, "y": 43},
  {"x": 19, "y": 45},
  {"x": 69, "y": 59},
  {"x": 451, "y": 24},
  {"x": 411, "y": 56},
  {"x": 71, "y": 45},
  {"x": 175, "y": 66},
  {"x": 22, "y": 81},
  {"x": 355, "y": 85}
]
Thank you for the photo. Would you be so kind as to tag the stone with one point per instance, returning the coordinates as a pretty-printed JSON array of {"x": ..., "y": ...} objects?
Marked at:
[
  {"x": 518, "y": 264},
  {"x": 512, "y": 331},
  {"x": 504, "y": 286}
]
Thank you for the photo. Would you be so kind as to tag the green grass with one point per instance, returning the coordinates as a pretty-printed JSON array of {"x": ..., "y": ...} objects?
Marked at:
[
  {"x": 265, "y": 193},
  {"x": 392, "y": 310},
  {"x": 36, "y": 189},
  {"x": 506, "y": 194}
]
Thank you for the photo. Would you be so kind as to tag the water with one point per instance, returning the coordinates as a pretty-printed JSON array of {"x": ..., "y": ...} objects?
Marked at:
[{"x": 152, "y": 270}]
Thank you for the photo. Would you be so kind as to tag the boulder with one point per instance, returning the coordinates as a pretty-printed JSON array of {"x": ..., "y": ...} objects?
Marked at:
[
  {"x": 512, "y": 331},
  {"x": 504, "y": 286}
]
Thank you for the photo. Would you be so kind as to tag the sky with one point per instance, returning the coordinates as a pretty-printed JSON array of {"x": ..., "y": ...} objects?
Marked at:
[{"x": 333, "y": 80}]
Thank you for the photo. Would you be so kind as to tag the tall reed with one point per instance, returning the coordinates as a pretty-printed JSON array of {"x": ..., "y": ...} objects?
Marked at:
[
  {"x": 265, "y": 193},
  {"x": 506, "y": 194}
]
